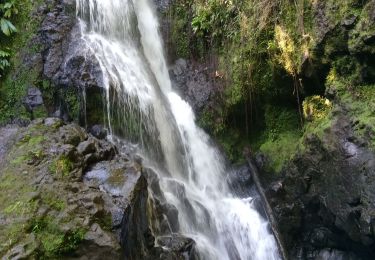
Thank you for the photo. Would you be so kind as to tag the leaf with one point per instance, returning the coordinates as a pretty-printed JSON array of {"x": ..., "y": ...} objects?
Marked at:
[
  {"x": 4, "y": 54},
  {"x": 8, "y": 5},
  {"x": 4, "y": 64},
  {"x": 8, "y": 13},
  {"x": 4, "y": 27},
  {"x": 7, "y": 27}
]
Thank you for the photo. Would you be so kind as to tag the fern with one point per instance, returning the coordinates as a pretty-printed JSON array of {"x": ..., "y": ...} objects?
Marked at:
[
  {"x": 7, "y": 10},
  {"x": 4, "y": 62}
]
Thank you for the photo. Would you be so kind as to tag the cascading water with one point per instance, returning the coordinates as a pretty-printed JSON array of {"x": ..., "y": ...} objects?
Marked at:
[{"x": 142, "y": 107}]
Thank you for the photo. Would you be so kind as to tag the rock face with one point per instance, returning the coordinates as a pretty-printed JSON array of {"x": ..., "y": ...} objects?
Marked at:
[
  {"x": 64, "y": 71},
  {"x": 326, "y": 197}
]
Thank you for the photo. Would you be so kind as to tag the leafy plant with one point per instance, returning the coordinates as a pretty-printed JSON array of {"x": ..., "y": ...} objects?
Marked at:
[
  {"x": 4, "y": 63},
  {"x": 7, "y": 10},
  {"x": 215, "y": 21}
]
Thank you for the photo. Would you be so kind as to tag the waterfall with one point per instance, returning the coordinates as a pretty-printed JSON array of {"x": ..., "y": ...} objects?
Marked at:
[{"x": 143, "y": 108}]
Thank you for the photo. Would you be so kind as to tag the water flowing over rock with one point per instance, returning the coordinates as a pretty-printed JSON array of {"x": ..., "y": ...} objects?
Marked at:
[{"x": 187, "y": 183}]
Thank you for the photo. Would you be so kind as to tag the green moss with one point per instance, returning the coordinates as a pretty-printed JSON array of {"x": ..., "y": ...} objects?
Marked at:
[
  {"x": 281, "y": 136},
  {"x": 273, "y": 46},
  {"x": 95, "y": 108},
  {"x": 233, "y": 145},
  {"x": 72, "y": 99},
  {"x": 39, "y": 112},
  {"x": 280, "y": 150},
  {"x": 13, "y": 87},
  {"x": 16, "y": 204},
  {"x": 362, "y": 110},
  {"x": 212, "y": 121},
  {"x": 53, "y": 201},
  {"x": 179, "y": 36},
  {"x": 61, "y": 167},
  {"x": 55, "y": 242},
  {"x": 22, "y": 202},
  {"x": 35, "y": 140}
]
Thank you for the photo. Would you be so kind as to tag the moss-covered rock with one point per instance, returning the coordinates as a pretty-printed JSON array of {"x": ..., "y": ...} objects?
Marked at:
[{"x": 46, "y": 209}]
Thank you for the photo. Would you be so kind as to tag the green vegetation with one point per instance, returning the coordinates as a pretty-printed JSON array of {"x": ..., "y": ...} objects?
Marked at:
[
  {"x": 61, "y": 167},
  {"x": 15, "y": 78},
  {"x": 54, "y": 241},
  {"x": 36, "y": 213},
  {"x": 279, "y": 140},
  {"x": 278, "y": 62},
  {"x": 8, "y": 9},
  {"x": 316, "y": 107}
]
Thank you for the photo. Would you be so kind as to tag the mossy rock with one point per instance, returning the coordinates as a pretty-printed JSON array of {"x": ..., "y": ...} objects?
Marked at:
[{"x": 42, "y": 215}]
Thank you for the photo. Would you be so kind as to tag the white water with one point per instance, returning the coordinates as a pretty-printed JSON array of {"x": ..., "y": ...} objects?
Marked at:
[{"x": 124, "y": 36}]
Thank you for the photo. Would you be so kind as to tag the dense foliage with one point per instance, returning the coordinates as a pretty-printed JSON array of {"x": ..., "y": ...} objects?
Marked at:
[
  {"x": 8, "y": 10},
  {"x": 275, "y": 53},
  {"x": 15, "y": 42}
]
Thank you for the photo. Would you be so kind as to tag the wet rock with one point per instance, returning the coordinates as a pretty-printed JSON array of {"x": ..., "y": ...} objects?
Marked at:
[
  {"x": 105, "y": 150},
  {"x": 331, "y": 254},
  {"x": 69, "y": 151},
  {"x": 261, "y": 160},
  {"x": 240, "y": 180},
  {"x": 33, "y": 98},
  {"x": 135, "y": 232},
  {"x": 53, "y": 122},
  {"x": 87, "y": 147},
  {"x": 98, "y": 131},
  {"x": 72, "y": 134},
  {"x": 276, "y": 188},
  {"x": 101, "y": 238},
  {"x": 183, "y": 247}
]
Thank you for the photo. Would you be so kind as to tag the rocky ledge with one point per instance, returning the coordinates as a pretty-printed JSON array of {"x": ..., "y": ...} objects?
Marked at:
[{"x": 65, "y": 193}]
